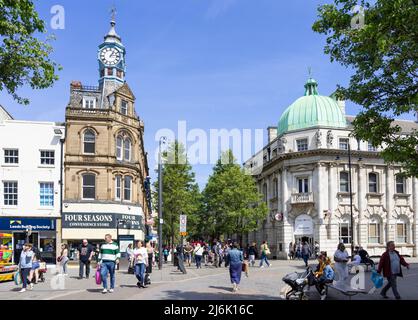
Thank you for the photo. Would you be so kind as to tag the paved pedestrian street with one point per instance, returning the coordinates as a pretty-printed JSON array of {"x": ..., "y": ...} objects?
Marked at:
[{"x": 208, "y": 283}]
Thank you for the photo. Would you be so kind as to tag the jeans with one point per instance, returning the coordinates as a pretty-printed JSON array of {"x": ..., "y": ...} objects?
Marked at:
[
  {"x": 140, "y": 273},
  {"x": 305, "y": 258},
  {"x": 391, "y": 283},
  {"x": 64, "y": 265},
  {"x": 198, "y": 261},
  {"x": 24, "y": 272},
  {"x": 264, "y": 259},
  {"x": 251, "y": 259},
  {"x": 81, "y": 269},
  {"x": 108, "y": 267}
]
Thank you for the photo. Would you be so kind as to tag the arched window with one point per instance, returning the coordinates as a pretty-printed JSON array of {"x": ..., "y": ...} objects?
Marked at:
[
  {"x": 375, "y": 228},
  {"x": 119, "y": 143},
  {"x": 373, "y": 182},
  {"x": 401, "y": 231},
  {"x": 344, "y": 182},
  {"x": 89, "y": 141},
  {"x": 127, "y": 149},
  {"x": 127, "y": 188},
  {"x": 345, "y": 230},
  {"x": 89, "y": 186},
  {"x": 118, "y": 187}
]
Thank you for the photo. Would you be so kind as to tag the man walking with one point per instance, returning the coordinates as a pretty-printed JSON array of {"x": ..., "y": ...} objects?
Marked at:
[
  {"x": 390, "y": 263},
  {"x": 252, "y": 253},
  {"x": 108, "y": 259},
  {"x": 306, "y": 252},
  {"x": 85, "y": 254}
]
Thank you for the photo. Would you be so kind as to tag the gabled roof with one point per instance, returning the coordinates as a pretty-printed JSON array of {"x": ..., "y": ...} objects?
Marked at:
[
  {"x": 4, "y": 115},
  {"x": 125, "y": 90}
]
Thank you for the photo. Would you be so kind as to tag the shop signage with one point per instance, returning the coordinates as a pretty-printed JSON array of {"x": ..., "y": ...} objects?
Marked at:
[
  {"x": 303, "y": 225},
  {"x": 23, "y": 224},
  {"x": 101, "y": 221}
]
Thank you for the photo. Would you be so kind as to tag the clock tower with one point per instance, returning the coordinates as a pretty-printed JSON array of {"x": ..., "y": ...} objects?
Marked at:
[{"x": 111, "y": 57}]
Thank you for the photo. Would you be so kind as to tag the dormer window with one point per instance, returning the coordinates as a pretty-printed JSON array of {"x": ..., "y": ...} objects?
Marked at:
[
  {"x": 302, "y": 144},
  {"x": 89, "y": 102},
  {"x": 124, "y": 107}
]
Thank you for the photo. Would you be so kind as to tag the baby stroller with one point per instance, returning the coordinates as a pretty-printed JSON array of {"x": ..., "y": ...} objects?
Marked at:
[{"x": 298, "y": 282}]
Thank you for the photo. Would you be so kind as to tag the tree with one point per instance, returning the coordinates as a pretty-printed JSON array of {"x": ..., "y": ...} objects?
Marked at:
[
  {"x": 232, "y": 202},
  {"x": 180, "y": 192},
  {"x": 383, "y": 55},
  {"x": 24, "y": 59}
]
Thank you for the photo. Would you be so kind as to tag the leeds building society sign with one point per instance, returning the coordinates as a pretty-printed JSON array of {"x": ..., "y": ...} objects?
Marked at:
[{"x": 101, "y": 221}]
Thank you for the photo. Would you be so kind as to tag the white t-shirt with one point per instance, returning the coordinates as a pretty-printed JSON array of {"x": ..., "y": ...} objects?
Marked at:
[
  {"x": 141, "y": 255},
  {"x": 198, "y": 251}
]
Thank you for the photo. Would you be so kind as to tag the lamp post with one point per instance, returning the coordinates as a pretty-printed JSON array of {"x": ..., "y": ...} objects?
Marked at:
[
  {"x": 118, "y": 221},
  {"x": 160, "y": 204}
]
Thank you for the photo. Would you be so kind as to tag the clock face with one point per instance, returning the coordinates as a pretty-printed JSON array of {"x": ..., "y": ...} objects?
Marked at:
[{"x": 110, "y": 56}]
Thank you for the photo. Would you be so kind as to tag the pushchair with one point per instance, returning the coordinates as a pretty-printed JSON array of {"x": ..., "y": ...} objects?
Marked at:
[{"x": 298, "y": 283}]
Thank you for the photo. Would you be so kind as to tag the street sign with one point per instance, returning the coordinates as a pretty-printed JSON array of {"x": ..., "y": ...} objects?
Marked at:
[
  {"x": 183, "y": 234},
  {"x": 183, "y": 223}
]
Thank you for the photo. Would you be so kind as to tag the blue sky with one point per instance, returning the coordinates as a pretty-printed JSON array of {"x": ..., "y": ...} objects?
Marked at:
[{"x": 213, "y": 63}]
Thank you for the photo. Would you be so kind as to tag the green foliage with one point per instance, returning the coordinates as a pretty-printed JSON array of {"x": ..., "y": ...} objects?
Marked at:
[
  {"x": 24, "y": 59},
  {"x": 383, "y": 54},
  {"x": 232, "y": 202},
  {"x": 180, "y": 192}
]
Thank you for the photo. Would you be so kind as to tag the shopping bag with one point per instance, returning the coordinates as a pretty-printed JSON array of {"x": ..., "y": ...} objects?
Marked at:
[
  {"x": 377, "y": 279},
  {"x": 98, "y": 276},
  {"x": 17, "y": 278}
]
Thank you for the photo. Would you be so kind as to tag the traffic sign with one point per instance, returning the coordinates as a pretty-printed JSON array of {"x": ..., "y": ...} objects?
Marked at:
[
  {"x": 183, "y": 223},
  {"x": 183, "y": 234}
]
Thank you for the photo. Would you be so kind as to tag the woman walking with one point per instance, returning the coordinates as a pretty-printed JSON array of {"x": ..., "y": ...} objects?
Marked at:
[
  {"x": 25, "y": 266},
  {"x": 141, "y": 261},
  {"x": 63, "y": 259},
  {"x": 341, "y": 258},
  {"x": 198, "y": 252},
  {"x": 265, "y": 251},
  {"x": 150, "y": 252},
  {"x": 235, "y": 259}
]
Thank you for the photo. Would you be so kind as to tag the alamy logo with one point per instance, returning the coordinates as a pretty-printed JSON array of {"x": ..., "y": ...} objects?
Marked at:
[
  {"x": 357, "y": 21},
  {"x": 58, "y": 18}
]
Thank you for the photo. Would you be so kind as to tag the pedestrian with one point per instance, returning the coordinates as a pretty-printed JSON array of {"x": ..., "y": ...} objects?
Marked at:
[
  {"x": 151, "y": 257},
  {"x": 85, "y": 254},
  {"x": 198, "y": 252},
  {"x": 324, "y": 274},
  {"x": 265, "y": 251},
  {"x": 316, "y": 249},
  {"x": 108, "y": 259},
  {"x": 141, "y": 262},
  {"x": 34, "y": 272},
  {"x": 299, "y": 250},
  {"x": 365, "y": 258},
  {"x": 306, "y": 252},
  {"x": 188, "y": 249},
  {"x": 252, "y": 253},
  {"x": 166, "y": 253},
  {"x": 390, "y": 263},
  {"x": 291, "y": 252},
  {"x": 25, "y": 266},
  {"x": 341, "y": 258},
  {"x": 235, "y": 259},
  {"x": 221, "y": 254},
  {"x": 206, "y": 254},
  {"x": 129, "y": 257},
  {"x": 63, "y": 259}
]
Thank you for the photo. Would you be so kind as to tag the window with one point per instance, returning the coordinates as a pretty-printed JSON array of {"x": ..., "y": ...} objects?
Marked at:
[
  {"x": 119, "y": 142},
  {"x": 89, "y": 102},
  {"x": 370, "y": 147},
  {"x": 275, "y": 191},
  {"x": 89, "y": 186},
  {"x": 265, "y": 193},
  {"x": 373, "y": 182},
  {"x": 46, "y": 194},
  {"x": 401, "y": 236},
  {"x": 302, "y": 144},
  {"x": 11, "y": 156},
  {"x": 303, "y": 185},
  {"x": 344, "y": 183},
  {"x": 109, "y": 71},
  {"x": 127, "y": 149},
  {"x": 345, "y": 231},
  {"x": 124, "y": 107},
  {"x": 127, "y": 186},
  {"x": 374, "y": 231},
  {"x": 89, "y": 141},
  {"x": 400, "y": 184},
  {"x": 10, "y": 193},
  {"x": 344, "y": 143},
  {"x": 47, "y": 157},
  {"x": 119, "y": 74},
  {"x": 118, "y": 183}
]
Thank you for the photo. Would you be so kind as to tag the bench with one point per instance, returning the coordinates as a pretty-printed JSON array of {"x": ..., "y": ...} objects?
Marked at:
[{"x": 345, "y": 290}]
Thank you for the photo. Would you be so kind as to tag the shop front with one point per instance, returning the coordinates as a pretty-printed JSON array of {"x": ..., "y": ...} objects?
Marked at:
[
  {"x": 41, "y": 232},
  {"x": 304, "y": 230}
]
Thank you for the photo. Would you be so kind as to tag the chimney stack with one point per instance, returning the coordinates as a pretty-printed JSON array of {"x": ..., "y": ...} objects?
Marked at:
[{"x": 272, "y": 133}]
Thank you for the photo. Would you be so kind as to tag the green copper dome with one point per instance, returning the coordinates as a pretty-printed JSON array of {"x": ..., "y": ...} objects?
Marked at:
[{"x": 311, "y": 110}]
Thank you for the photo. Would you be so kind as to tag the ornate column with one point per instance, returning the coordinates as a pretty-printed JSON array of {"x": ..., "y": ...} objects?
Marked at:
[
  {"x": 362, "y": 229},
  {"x": 389, "y": 192}
]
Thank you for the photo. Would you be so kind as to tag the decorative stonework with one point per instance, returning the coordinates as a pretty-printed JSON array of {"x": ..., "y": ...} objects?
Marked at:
[
  {"x": 405, "y": 211},
  {"x": 330, "y": 139},
  {"x": 379, "y": 211},
  {"x": 344, "y": 210},
  {"x": 318, "y": 139}
]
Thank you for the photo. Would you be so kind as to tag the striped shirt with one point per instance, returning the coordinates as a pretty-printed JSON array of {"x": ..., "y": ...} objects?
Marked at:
[{"x": 109, "y": 252}]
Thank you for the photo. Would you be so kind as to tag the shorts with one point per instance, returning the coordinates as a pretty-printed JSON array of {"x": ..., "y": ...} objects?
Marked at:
[{"x": 35, "y": 265}]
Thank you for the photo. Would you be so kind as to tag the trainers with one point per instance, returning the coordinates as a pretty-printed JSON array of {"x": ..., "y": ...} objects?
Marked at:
[
  {"x": 323, "y": 296},
  {"x": 234, "y": 287},
  {"x": 384, "y": 296},
  {"x": 261, "y": 266},
  {"x": 22, "y": 290},
  {"x": 31, "y": 286},
  {"x": 111, "y": 290},
  {"x": 104, "y": 291}
]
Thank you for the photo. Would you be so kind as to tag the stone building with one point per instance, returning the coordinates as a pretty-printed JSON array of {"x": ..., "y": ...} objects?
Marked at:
[
  {"x": 105, "y": 160},
  {"x": 303, "y": 173}
]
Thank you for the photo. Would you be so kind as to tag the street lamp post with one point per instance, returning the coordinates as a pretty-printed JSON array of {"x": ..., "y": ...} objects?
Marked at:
[
  {"x": 118, "y": 221},
  {"x": 160, "y": 204}
]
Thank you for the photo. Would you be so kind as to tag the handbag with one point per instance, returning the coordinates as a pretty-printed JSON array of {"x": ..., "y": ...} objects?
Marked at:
[
  {"x": 59, "y": 259},
  {"x": 98, "y": 276},
  {"x": 17, "y": 278},
  {"x": 377, "y": 279}
]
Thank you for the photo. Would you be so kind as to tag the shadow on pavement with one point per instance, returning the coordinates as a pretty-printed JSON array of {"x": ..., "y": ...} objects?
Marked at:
[
  {"x": 229, "y": 289},
  {"x": 191, "y": 295}
]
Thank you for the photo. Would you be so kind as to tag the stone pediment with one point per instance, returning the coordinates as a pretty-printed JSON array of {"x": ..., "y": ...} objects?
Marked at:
[
  {"x": 126, "y": 91},
  {"x": 299, "y": 168}
]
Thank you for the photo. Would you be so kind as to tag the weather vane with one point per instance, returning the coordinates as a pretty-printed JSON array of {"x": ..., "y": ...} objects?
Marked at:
[
  {"x": 310, "y": 72},
  {"x": 113, "y": 12}
]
